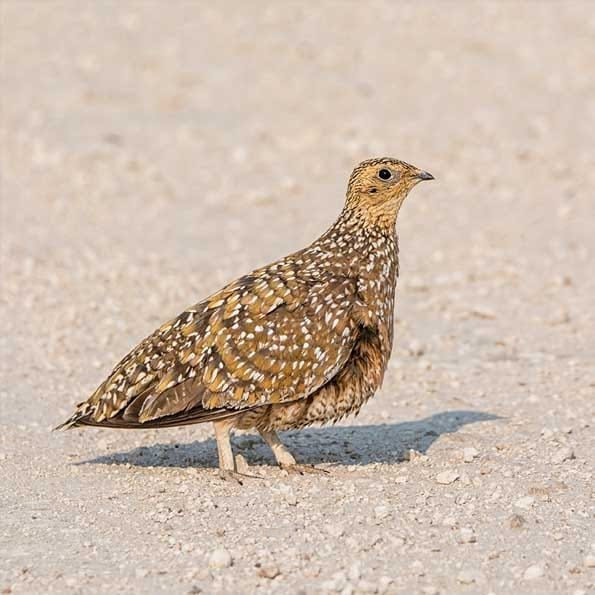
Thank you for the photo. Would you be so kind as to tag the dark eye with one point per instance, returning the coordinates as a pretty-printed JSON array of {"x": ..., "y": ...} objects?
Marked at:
[{"x": 385, "y": 174}]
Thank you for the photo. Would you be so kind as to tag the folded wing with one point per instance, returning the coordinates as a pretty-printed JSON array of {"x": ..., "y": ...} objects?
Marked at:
[{"x": 270, "y": 337}]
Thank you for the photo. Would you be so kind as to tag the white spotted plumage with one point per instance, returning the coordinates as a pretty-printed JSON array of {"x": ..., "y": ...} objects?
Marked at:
[{"x": 303, "y": 340}]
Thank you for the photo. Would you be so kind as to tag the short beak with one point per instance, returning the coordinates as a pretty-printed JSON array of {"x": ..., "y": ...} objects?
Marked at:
[{"x": 424, "y": 175}]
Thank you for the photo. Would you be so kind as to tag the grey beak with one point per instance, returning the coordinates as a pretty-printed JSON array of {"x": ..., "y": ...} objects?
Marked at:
[{"x": 425, "y": 175}]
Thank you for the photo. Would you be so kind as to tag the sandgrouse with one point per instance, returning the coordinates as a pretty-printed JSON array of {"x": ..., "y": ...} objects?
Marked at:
[{"x": 303, "y": 340}]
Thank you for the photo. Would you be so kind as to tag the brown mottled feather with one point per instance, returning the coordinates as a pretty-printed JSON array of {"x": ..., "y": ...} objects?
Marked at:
[{"x": 303, "y": 340}]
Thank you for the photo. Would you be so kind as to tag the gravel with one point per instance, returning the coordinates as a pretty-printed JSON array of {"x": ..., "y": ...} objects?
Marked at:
[
  {"x": 220, "y": 558},
  {"x": 152, "y": 151}
]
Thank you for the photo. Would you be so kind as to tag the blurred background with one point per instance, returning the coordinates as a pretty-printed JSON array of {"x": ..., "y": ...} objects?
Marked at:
[{"x": 152, "y": 151}]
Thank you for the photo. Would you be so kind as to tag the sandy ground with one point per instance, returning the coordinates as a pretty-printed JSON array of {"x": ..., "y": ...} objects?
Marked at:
[{"x": 152, "y": 151}]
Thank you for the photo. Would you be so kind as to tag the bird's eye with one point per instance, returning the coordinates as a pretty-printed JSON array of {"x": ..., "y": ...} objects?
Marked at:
[{"x": 385, "y": 174}]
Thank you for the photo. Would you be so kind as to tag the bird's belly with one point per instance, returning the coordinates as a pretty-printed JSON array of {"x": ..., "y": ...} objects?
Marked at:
[
  {"x": 325, "y": 406},
  {"x": 345, "y": 394}
]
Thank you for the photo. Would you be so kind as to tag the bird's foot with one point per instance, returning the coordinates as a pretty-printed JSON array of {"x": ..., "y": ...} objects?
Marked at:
[
  {"x": 235, "y": 476},
  {"x": 297, "y": 469}
]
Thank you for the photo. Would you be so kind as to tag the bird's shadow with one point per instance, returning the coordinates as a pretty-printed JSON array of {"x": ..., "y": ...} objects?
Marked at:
[{"x": 339, "y": 445}]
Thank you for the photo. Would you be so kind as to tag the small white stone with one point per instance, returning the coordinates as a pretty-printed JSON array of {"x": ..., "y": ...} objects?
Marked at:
[
  {"x": 469, "y": 454},
  {"x": 397, "y": 540},
  {"x": 533, "y": 572},
  {"x": 220, "y": 558},
  {"x": 466, "y": 577},
  {"x": 291, "y": 498},
  {"x": 381, "y": 512},
  {"x": 466, "y": 535},
  {"x": 525, "y": 503},
  {"x": 590, "y": 561},
  {"x": 416, "y": 348},
  {"x": 447, "y": 477}
]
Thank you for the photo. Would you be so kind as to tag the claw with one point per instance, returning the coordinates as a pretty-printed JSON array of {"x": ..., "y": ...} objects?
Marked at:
[
  {"x": 235, "y": 476},
  {"x": 229, "y": 475},
  {"x": 303, "y": 469}
]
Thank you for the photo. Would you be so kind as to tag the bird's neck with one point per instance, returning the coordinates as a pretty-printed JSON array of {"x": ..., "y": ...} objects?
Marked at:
[
  {"x": 373, "y": 214},
  {"x": 361, "y": 246}
]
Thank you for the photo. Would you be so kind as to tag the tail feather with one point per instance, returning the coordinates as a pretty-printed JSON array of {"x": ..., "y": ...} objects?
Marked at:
[
  {"x": 82, "y": 411},
  {"x": 184, "y": 418},
  {"x": 67, "y": 425}
]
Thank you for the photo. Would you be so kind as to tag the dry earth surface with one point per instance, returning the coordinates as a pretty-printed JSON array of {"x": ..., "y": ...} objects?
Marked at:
[{"x": 152, "y": 151}]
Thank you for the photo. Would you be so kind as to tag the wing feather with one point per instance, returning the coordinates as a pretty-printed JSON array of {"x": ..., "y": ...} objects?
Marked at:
[{"x": 272, "y": 336}]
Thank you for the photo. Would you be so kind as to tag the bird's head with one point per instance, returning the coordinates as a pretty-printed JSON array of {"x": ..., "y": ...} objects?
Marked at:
[{"x": 378, "y": 187}]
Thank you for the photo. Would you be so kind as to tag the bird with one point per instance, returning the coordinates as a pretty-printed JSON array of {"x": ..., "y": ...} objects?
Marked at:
[{"x": 304, "y": 340}]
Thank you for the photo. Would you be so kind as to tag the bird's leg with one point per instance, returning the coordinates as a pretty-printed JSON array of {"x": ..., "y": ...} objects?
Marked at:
[
  {"x": 227, "y": 463},
  {"x": 284, "y": 458},
  {"x": 282, "y": 455}
]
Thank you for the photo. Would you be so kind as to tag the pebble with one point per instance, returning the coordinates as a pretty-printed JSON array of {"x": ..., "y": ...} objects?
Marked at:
[
  {"x": 466, "y": 535},
  {"x": 269, "y": 571},
  {"x": 590, "y": 561},
  {"x": 517, "y": 521},
  {"x": 291, "y": 498},
  {"x": 466, "y": 577},
  {"x": 563, "y": 454},
  {"x": 220, "y": 558},
  {"x": 533, "y": 572},
  {"x": 416, "y": 348},
  {"x": 469, "y": 454},
  {"x": 482, "y": 312},
  {"x": 525, "y": 503},
  {"x": 447, "y": 477}
]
